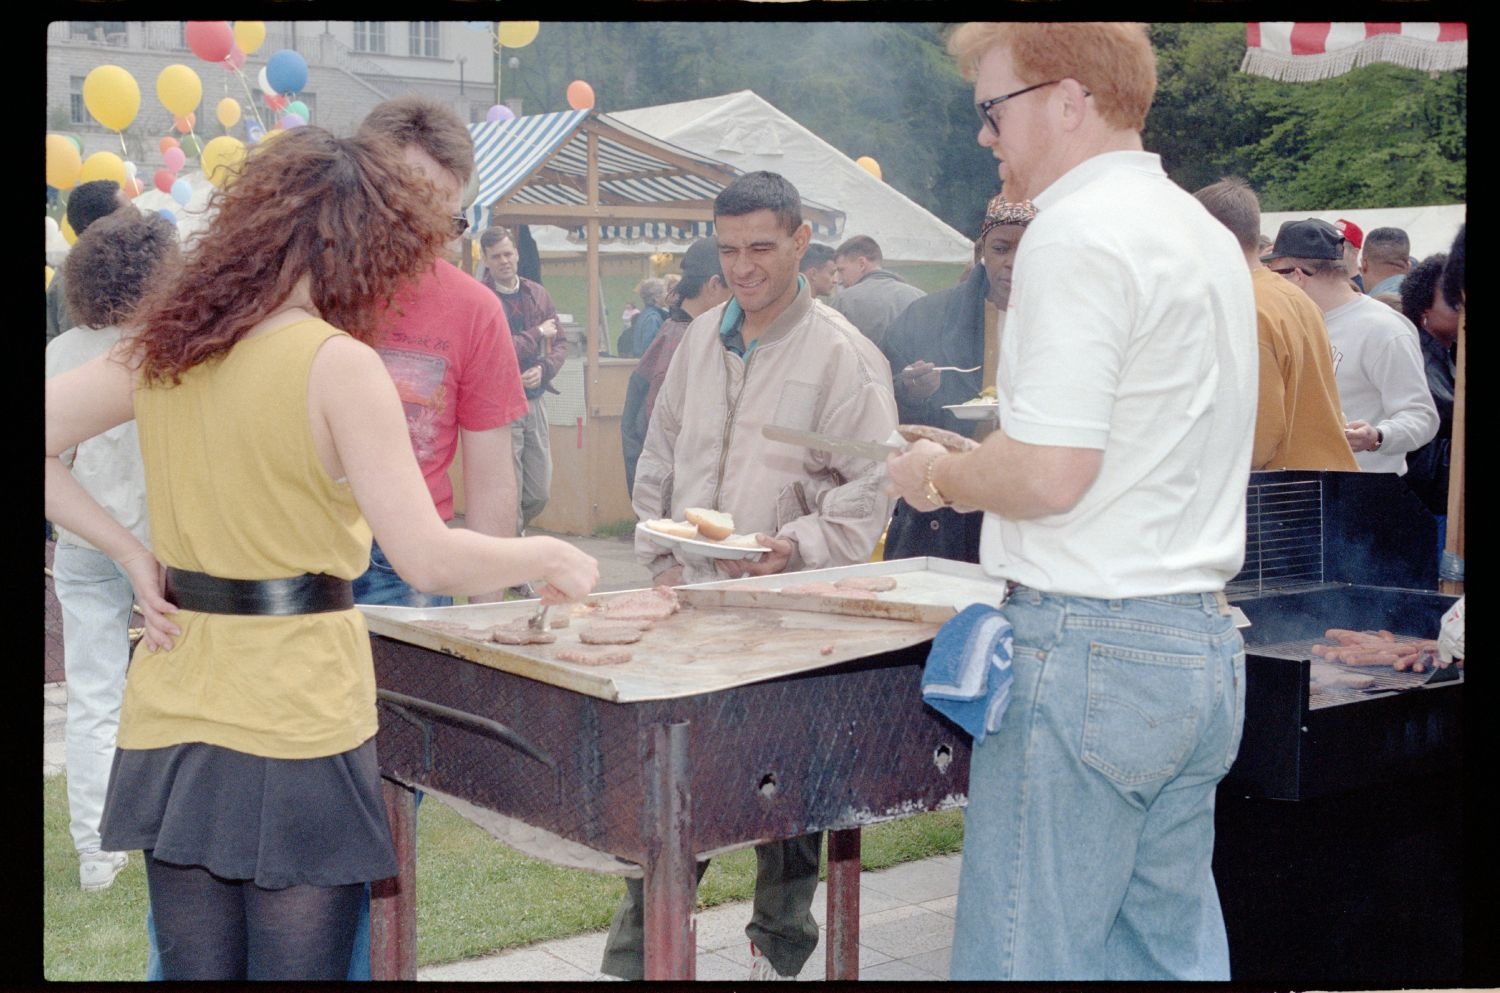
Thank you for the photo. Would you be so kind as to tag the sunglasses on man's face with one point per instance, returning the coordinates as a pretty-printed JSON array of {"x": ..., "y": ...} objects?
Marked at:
[
  {"x": 1291, "y": 269},
  {"x": 460, "y": 225}
]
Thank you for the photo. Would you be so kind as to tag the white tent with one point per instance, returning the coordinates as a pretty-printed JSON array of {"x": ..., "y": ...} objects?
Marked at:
[
  {"x": 744, "y": 131},
  {"x": 1431, "y": 229}
]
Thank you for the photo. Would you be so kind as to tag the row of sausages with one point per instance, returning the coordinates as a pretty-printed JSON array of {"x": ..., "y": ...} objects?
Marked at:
[{"x": 1377, "y": 648}]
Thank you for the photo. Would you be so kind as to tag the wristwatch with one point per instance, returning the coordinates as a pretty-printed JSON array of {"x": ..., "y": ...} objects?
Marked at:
[
  {"x": 931, "y": 493},
  {"x": 1379, "y": 440}
]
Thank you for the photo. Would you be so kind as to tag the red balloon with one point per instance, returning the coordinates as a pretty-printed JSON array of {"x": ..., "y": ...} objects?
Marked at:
[
  {"x": 277, "y": 102},
  {"x": 210, "y": 40},
  {"x": 163, "y": 179},
  {"x": 184, "y": 124},
  {"x": 234, "y": 59}
]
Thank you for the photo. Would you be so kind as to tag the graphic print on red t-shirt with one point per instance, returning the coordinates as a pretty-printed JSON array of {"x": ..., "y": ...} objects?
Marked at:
[{"x": 419, "y": 381}]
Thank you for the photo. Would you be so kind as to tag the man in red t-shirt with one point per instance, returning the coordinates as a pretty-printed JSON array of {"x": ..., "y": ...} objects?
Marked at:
[{"x": 448, "y": 347}]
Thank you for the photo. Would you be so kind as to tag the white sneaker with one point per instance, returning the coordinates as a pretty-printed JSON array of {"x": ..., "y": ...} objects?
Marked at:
[
  {"x": 97, "y": 870},
  {"x": 761, "y": 968}
]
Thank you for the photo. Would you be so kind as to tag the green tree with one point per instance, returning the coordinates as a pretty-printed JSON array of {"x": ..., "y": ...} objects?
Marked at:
[{"x": 1379, "y": 136}]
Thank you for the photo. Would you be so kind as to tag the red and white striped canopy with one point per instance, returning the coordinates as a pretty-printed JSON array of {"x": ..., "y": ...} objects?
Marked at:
[{"x": 1299, "y": 51}]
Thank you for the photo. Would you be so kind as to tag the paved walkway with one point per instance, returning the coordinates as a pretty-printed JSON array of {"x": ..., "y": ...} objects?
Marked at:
[
  {"x": 906, "y": 912},
  {"x": 905, "y": 932}
]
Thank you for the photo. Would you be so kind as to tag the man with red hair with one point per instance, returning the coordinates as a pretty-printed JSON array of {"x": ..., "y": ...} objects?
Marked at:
[{"x": 1115, "y": 496}]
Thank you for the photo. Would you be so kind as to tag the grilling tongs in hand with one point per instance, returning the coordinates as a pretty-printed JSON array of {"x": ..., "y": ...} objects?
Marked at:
[{"x": 538, "y": 620}]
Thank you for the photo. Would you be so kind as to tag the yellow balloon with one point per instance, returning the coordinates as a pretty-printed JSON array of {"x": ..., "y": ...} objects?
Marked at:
[
  {"x": 103, "y": 165},
  {"x": 111, "y": 96},
  {"x": 49, "y": 277},
  {"x": 229, "y": 112},
  {"x": 63, "y": 162},
  {"x": 221, "y": 159},
  {"x": 869, "y": 165},
  {"x": 179, "y": 90},
  {"x": 249, "y": 35},
  {"x": 67, "y": 231},
  {"x": 518, "y": 34}
]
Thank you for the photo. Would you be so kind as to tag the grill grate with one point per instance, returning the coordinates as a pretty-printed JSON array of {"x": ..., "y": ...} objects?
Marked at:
[
  {"x": 1325, "y": 693},
  {"x": 1283, "y": 537}
]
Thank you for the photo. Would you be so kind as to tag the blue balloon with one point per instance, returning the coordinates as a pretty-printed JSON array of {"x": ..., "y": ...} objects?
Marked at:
[
  {"x": 182, "y": 191},
  {"x": 168, "y": 215},
  {"x": 254, "y": 132},
  {"x": 286, "y": 71}
]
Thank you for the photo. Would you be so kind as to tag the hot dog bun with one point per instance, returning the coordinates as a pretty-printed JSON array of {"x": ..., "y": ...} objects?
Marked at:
[
  {"x": 712, "y": 524},
  {"x": 676, "y": 529}
]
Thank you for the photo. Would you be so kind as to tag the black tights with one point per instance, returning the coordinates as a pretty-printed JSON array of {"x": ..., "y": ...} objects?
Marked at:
[{"x": 212, "y": 928}]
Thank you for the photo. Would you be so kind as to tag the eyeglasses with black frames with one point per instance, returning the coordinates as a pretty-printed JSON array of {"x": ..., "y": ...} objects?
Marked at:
[
  {"x": 989, "y": 120},
  {"x": 460, "y": 225},
  {"x": 1291, "y": 269}
]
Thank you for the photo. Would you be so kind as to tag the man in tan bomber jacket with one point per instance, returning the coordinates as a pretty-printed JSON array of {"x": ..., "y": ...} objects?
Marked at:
[{"x": 771, "y": 354}]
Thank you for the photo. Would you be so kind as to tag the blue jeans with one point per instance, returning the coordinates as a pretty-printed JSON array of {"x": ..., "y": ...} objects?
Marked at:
[
  {"x": 381, "y": 586},
  {"x": 1089, "y": 833},
  {"x": 95, "y": 596}
]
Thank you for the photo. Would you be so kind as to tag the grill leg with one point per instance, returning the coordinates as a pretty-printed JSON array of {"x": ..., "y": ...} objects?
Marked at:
[
  {"x": 843, "y": 905},
  {"x": 671, "y": 884},
  {"x": 393, "y": 902}
]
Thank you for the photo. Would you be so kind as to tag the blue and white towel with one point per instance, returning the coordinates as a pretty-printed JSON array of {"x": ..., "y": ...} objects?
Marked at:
[{"x": 967, "y": 677}]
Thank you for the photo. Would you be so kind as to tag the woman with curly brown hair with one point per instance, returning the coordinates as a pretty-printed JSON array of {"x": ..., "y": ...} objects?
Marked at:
[{"x": 274, "y": 445}]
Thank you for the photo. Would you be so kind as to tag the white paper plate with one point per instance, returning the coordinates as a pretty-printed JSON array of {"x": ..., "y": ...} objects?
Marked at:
[
  {"x": 699, "y": 547},
  {"x": 974, "y": 411}
]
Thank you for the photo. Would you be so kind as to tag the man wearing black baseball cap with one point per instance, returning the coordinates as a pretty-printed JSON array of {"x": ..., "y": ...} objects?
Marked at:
[{"x": 1377, "y": 360}]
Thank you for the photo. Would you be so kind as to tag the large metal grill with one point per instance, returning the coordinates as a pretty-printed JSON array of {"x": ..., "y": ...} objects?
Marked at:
[{"x": 1336, "y": 550}]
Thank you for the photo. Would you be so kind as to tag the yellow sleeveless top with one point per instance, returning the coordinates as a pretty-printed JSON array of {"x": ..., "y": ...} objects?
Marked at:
[{"x": 235, "y": 489}]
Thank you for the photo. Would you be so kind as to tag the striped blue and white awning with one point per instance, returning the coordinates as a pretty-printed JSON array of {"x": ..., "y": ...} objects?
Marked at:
[{"x": 542, "y": 159}]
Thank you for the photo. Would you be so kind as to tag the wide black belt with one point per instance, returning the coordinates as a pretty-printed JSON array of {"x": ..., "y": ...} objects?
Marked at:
[{"x": 305, "y": 594}]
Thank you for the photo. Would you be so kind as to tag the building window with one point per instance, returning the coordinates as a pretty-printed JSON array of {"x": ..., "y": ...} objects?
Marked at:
[
  {"x": 423, "y": 38},
  {"x": 75, "y": 100},
  {"x": 369, "y": 36},
  {"x": 103, "y": 32}
]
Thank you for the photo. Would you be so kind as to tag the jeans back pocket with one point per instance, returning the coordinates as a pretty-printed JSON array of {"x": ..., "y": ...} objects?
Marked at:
[{"x": 1141, "y": 720}]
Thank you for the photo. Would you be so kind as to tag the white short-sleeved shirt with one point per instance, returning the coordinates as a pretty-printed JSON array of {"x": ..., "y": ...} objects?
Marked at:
[
  {"x": 1131, "y": 330},
  {"x": 108, "y": 466}
]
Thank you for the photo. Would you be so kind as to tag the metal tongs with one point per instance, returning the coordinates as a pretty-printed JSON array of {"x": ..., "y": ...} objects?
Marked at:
[{"x": 538, "y": 620}]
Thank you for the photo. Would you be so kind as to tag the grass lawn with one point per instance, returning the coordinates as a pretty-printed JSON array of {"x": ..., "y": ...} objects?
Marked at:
[{"x": 475, "y": 896}]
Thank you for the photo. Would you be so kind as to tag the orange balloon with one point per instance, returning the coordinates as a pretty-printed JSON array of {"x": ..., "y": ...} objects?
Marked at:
[
  {"x": 580, "y": 95},
  {"x": 166, "y": 143},
  {"x": 184, "y": 124}
]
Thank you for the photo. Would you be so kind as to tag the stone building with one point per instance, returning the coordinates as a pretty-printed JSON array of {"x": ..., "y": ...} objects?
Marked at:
[{"x": 352, "y": 65}]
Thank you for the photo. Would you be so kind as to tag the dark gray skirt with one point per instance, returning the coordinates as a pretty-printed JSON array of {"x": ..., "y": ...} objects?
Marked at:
[{"x": 279, "y": 822}]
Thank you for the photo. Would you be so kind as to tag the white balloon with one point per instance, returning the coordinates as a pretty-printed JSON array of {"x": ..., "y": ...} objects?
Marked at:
[
  {"x": 52, "y": 227},
  {"x": 130, "y": 169},
  {"x": 265, "y": 84}
]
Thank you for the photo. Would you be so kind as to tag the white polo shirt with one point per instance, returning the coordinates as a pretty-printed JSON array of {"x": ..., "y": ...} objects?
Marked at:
[{"x": 1131, "y": 330}]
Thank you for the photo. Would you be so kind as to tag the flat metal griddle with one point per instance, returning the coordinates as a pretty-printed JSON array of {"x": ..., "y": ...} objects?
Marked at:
[{"x": 722, "y": 637}]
